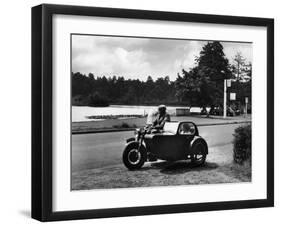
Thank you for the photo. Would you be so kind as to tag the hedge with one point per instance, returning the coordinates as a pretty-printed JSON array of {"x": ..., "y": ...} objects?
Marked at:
[{"x": 242, "y": 144}]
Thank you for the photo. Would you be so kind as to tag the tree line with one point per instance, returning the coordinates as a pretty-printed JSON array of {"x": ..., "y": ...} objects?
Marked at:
[
  {"x": 99, "y": 91},
  {"x": 200, "y": 86}
]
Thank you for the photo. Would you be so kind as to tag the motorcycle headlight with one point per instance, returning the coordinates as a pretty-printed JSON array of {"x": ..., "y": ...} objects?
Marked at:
[{"x": 137, "y": 131}]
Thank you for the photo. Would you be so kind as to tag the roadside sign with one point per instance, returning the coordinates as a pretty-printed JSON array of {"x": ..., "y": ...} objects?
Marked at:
[
  {"x": 246, "y": 107},
  {"x": 232, "y": 96},
  {"x": 228, "y": 82}
]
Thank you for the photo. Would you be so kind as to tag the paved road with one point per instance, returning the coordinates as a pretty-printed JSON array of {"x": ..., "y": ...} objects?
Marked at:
[{"x": 91, "y": 151}]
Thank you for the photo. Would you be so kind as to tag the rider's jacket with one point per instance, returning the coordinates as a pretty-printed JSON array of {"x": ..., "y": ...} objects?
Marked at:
[{"x": 159, "y": 122}]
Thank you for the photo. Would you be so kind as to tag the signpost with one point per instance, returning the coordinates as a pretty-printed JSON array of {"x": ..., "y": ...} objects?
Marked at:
[
  {"x": 227, "y": 83},
  {"x": 224, "y": 98},
  {"x": 246, "y": 107}
]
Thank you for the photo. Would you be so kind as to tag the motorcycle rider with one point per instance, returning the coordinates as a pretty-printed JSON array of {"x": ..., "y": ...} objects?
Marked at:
[
  {"x": 162, "y": 117},
  {"x": 157, "y": 125}
]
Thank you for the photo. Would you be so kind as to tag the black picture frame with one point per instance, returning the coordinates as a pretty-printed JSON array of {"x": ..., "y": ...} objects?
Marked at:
[{"x": 42, "y": 111}]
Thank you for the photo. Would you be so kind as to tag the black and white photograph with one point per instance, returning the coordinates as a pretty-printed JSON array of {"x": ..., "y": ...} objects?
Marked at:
[
  {"x": 141, "y": 112},
  {"x": 152, "y": 111}
]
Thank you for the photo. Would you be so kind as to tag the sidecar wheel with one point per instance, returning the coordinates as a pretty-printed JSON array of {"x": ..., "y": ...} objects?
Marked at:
[
  {"x": 199, "y": 156},
  {"x": 134, "y": 157},
  {"x": 198, "y": 159}
]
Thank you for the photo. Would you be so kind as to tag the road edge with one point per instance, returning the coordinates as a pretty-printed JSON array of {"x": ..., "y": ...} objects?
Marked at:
[{"x": 132, "y": 129}]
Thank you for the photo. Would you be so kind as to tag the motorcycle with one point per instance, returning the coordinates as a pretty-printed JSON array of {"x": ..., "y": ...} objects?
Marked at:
[{"x": 177, "y": 141}]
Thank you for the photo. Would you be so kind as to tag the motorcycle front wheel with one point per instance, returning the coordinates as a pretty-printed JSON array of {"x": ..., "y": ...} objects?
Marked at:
[{"x": 134, "y": 156}]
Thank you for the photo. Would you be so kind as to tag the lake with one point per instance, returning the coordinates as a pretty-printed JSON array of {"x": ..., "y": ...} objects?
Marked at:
[{"x": 80, "y": 113}]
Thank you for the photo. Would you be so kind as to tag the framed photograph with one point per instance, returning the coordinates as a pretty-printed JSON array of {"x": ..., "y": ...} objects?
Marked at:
[{"x": 145, "y": 112}]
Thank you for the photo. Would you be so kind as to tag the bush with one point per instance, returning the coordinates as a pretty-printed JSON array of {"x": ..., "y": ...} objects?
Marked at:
[
  {"x": 96, "y": 100},
  {"x": 242, "y": 144},
  {"x": 124, "y": 125}
]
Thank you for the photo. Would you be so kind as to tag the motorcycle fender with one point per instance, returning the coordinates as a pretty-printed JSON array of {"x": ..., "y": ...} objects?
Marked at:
[
  {"x": 130, "y": 140},
  {"x": 196, "y": 139},
  {"x": 134, "y": 143}
]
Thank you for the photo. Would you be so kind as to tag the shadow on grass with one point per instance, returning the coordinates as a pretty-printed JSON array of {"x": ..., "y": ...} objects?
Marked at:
[{"x": 179, "y": 167}]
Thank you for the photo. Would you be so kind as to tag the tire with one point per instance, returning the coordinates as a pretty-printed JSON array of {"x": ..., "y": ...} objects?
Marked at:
[
  {"x": 199, "y": 149},
  {"x": 134, "y": 157}
]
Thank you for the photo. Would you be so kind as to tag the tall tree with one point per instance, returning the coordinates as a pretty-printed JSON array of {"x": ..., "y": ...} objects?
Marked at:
[
  {"x": 239, "y": 66},
  {"x": 203, "y": 85},
  {"x": 213, "y": 63},
  {"x": 248, "y": 72}
]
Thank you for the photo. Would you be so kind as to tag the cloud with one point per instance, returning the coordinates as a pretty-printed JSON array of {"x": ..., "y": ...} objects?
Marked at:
[
  {"x": 108, "y": 56},
  {"x": 139, "y": 57}
]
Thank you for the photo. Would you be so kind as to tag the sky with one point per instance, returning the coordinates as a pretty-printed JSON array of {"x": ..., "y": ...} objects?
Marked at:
[{"x": 138, "y": 58}]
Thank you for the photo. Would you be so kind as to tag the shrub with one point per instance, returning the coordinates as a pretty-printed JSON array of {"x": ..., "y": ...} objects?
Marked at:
[
  {"x": 122, "y": 125},
  {"x": 242, "y": 144},
  {"x": 125, "y": 125},
  {"x": 96, "y": 100}
]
